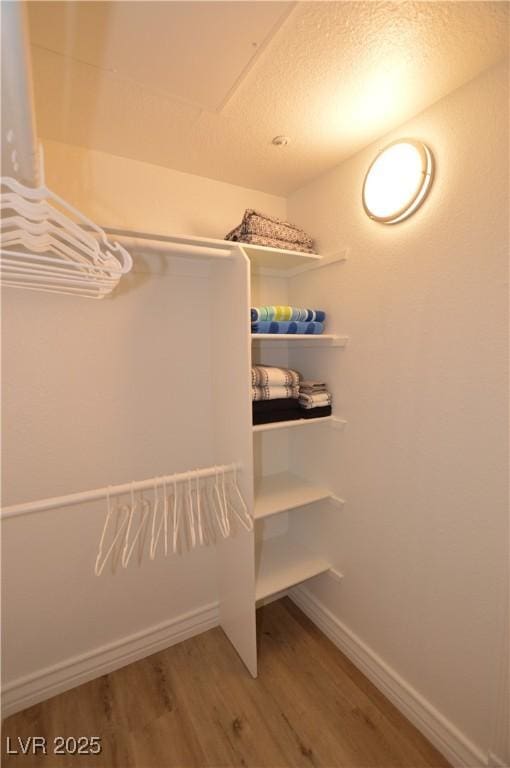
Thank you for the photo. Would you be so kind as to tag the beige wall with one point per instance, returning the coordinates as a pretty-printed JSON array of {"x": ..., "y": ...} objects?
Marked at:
[
  {"x": 119, "y": 192},
  {"x": 423, "y": 385}
]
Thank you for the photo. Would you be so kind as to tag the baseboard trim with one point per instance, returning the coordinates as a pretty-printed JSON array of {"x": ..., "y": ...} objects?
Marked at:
[
  {"x": 453, "y": 744},
  {"x": 48, "y": 682}
]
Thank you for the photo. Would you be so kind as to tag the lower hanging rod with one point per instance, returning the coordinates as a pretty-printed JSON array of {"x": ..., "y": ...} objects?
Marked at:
[{"x": 42, "y": 505}]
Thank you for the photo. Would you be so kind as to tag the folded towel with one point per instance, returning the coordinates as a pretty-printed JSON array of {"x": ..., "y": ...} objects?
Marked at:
[
  {"x": 286, "y": 313},
  {"x": 261, "y": 375},
  {"x": 278, "y": 404},
  {"x": 271, "y": 393},
  {"x": 314, "y": 401},
  {"x": 311, "y": 385},
  {"x": 313, "y": 388},
  {"x": 269, "y": 242},
  {"x": 273, "y": 416},
  {"x": 257, "y": 224},
  {"x": 316, "y": 413},
  {"x": 235, "y": 234},
  {"x": 264, "y": 326}
]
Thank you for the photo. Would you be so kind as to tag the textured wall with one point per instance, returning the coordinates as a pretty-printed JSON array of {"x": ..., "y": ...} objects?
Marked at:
[{"x": 423, "y": 385}]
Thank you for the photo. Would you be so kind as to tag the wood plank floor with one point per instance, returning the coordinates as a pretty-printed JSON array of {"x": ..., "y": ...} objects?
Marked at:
[{"x": 194, "y": 704}]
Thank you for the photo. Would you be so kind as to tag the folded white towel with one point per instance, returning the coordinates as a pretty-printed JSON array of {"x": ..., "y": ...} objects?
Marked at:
[
  {"x": 309, "y": 384},
  {"x": 315, "y": 401},
  {"x": 270, "y": 375},
  {"x": 274, "y": 392}
]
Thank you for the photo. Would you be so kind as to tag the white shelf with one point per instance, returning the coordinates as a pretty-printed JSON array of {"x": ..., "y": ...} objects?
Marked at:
[
  {"x": 300, "y": 339},
  {"x": 277, "y": 259},
  {"x": 273, "y": 261},
  {"x": 280, "y": 564},
  {"x": 284, "y": 491},
  {"x": 333, "y": 421}
]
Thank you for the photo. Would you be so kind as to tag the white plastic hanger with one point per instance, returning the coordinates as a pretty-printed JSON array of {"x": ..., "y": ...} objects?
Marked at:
[
  {"x": 222, "y": 517},
  {"x": 163, "y": 523},
  {"x": 144, "y": 512},
  {"x": 244, "y": 516},
  {"x": 176, "y": 519},
  {"x": 199, "y": 510},
  {"x": 191, "y": 514},
  {"x": 100, "y": 560},
  {"x": 48, "y": 245}
]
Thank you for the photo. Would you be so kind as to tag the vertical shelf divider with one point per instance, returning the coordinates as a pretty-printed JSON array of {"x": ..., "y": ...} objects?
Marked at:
[{"x": 231, "y": 351}]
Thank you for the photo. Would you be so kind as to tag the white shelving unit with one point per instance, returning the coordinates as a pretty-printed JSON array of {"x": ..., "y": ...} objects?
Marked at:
[
  {"x": 283, "y": 560},
  {"x": 281, "y": 563},
  {"x": 284, "y": 491}
]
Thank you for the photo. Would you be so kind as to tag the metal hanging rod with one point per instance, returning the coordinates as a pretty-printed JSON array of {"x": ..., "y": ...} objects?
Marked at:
[{"x": 42, "y": 505}]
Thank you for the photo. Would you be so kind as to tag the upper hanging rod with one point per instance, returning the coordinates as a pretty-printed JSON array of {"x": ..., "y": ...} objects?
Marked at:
[
  {"x": 42, "y": 505},
  {"x": 182, "y": 245}
]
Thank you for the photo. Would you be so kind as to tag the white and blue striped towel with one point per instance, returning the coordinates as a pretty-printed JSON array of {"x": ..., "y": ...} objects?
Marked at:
[{"x": 312, "y": 328}]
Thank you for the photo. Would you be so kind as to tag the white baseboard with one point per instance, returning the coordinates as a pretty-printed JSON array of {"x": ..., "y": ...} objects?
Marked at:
[
  {"x": 453, "y": 744},
  {"x": 48, "y": 682}
]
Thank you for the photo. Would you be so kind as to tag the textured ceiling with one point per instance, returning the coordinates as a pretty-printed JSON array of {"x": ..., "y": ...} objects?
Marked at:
[{"x": 204, "y": 87}]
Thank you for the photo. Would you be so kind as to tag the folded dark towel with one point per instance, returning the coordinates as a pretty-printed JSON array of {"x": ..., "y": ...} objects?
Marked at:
[
  {"x": 272, "y": 416},
  {"x": 315, "y": 413},
  {"x": 279, "y": 404}
]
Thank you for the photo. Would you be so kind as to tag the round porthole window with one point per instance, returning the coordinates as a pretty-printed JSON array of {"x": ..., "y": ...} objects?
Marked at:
[{"x": 398, "y": 181}]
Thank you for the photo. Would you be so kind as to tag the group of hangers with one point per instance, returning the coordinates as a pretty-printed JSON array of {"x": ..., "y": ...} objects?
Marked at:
[
  {"x": 183, "y": 513},
  {"x": 48, "y": 245}
]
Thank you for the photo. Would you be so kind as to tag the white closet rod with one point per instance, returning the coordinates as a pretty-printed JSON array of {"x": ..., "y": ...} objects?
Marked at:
[
  {"x": 181, "y": 245},
  {"x": 42, "y": 505}
]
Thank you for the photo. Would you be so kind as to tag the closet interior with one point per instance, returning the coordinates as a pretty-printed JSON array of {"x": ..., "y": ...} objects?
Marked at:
[
  {"x": 284, "y": 475},
  {"x": 179, "y": 447}
]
